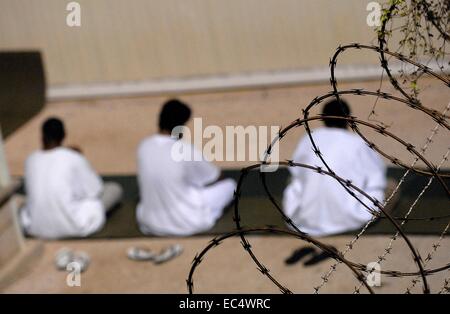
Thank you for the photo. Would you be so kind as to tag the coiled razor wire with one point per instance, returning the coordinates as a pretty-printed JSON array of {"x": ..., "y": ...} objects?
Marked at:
[
  {"x": 372, "y": 205},
  {"x": 432, "y": 171}
]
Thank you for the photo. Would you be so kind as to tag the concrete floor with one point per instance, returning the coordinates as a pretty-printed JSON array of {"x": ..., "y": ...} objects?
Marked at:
[
  {"x": 225, "y": 269},
  {"x": 109, "y": 130}
]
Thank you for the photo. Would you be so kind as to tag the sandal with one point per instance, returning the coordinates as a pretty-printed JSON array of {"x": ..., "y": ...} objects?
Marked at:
[
  {"x": 140, "y": 254},
  {"x": 169, "y": 253}
]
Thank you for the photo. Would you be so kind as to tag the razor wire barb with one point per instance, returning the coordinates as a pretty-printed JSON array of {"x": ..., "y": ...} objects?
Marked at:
[{"x": 432, "y": 11}]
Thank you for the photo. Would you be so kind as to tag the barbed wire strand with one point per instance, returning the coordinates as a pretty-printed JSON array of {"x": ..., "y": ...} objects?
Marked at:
[
  {"x": 388, "y": 249},
  {"x": 433, "y": 172},
  {"x": 435, "y": 246},
  {"x": 350, "y": 245},
  {"x": 356, "y": 268}
]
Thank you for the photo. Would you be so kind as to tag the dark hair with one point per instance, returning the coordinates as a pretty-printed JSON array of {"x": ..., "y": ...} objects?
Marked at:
[
  {"x": 173, "y": 113},
  {"x": 53, "y": 131},
  {"x": 337, "y": 108}
]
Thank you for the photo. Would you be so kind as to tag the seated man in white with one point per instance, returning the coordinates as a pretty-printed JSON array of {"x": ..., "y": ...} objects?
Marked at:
[
  {"x": 178, "y": 197},
  {"x": 318, "y": 204},
  {"x": 65, "y": 197}
]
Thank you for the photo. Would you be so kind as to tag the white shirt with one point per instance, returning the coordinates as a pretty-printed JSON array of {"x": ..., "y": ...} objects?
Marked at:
[
  {"x": 62, "y": 195},
  {"x": 318, "y": 204},
  {"x": 171, "y": 200}
]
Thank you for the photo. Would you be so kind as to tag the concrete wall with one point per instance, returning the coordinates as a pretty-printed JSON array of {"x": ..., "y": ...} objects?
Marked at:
[{"x": 133, "y": 40}]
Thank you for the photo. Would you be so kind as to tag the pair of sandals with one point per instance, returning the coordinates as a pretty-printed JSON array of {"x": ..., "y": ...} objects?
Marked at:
[
  {"x": 141, "y": 254},
  {"x": 65, "y": 256},
  {"x": 315, "y": 258}
]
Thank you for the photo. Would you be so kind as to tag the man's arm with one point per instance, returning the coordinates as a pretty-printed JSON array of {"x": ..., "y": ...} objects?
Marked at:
[
  {"x": 90, "y": 181},
  {"x": 374, "y": 170},
  {"x": 201, "y": 172}
]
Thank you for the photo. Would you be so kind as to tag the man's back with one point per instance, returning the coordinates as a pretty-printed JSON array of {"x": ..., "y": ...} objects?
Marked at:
[
  {"x": 171, "y": 202},
  {"x": 62, "y": 195},
  {"x": 317, "y": 203}
]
